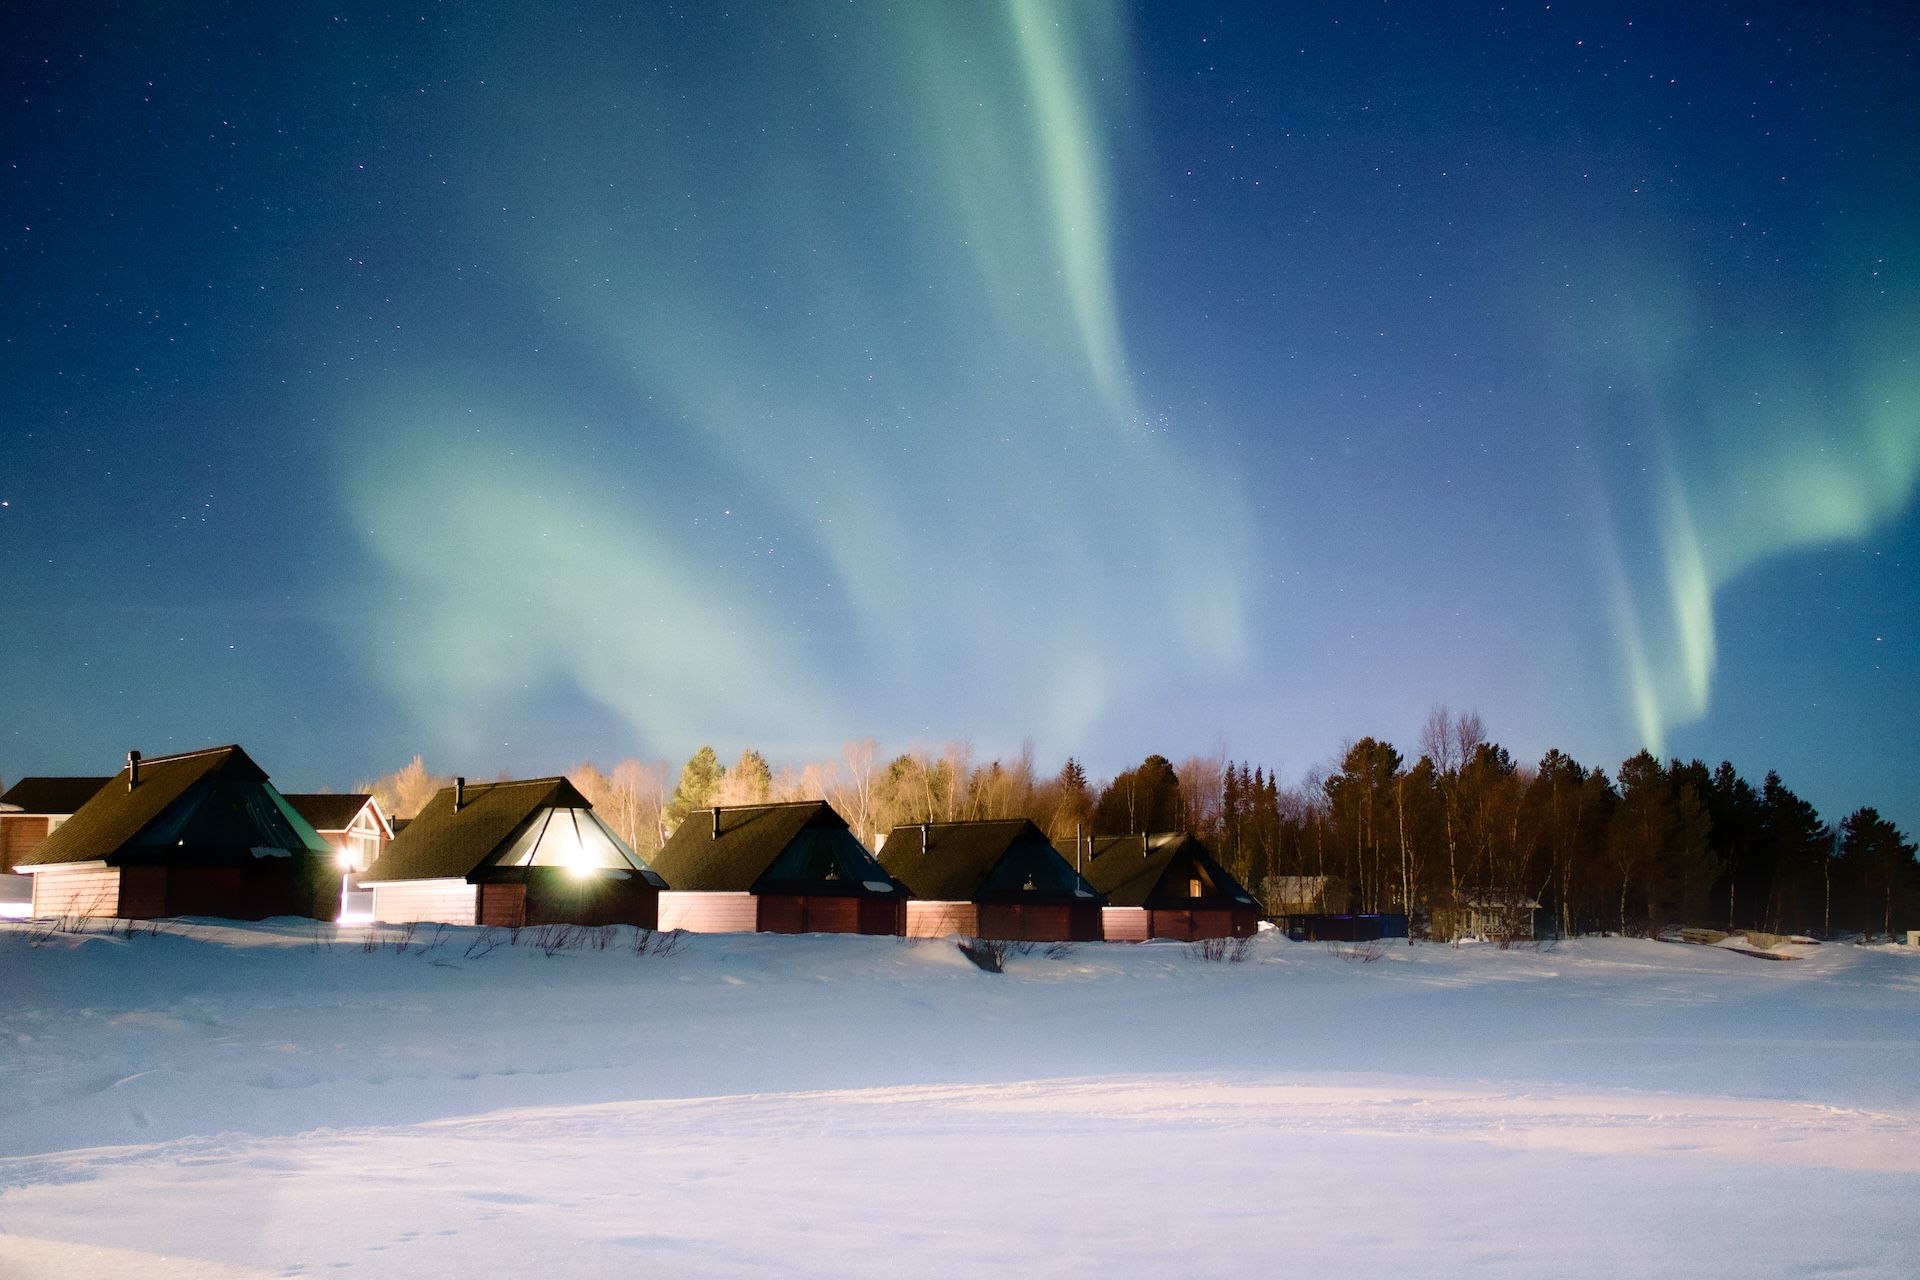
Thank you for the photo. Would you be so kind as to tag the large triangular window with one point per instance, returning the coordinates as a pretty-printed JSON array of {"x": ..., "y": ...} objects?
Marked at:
[{"x": 573, "y": 838}]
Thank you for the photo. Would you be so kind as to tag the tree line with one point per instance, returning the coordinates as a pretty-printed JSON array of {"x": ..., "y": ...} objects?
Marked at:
[{"x": 1653, "y": 844}]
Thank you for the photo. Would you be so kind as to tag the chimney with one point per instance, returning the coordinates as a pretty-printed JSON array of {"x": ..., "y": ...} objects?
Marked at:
[
  {"x": 459, "y": 793},
  {"x": 716, "y": 822},
  {"x": 133, "y": 769}
]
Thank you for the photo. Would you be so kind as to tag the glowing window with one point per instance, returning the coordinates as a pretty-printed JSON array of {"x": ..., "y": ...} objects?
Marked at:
[{"x": 569, "y": 838}]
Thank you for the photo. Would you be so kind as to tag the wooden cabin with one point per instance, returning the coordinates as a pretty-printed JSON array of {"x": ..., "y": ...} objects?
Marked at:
[
  {"x": 202, "y": 833},
  {"x": 512, "y": 854},
  {"x": 1495, "y": 915},
  {"x": 1164, "y": 886},
  {"x": 352, "y": 824},
  {"x": 993, "y": 879},
  {"x": 1299, "y": 895},
  {"x": 357, "y": 830},
  {"x": 29, "y": 811},
  {"x": 775, "y": 868},
  {"x": 33, "y": 807}
]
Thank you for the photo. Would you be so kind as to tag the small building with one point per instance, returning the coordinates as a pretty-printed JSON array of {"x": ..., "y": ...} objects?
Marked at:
[
  {"x": 775, "y": 868},
  {"x": 357, "y": 830},
  {"x": 1495, "y": 915},
  {"x": 352, "y": 823},
  {"x": 992, "y": 879},
  {"x": 1164, "y": 886},
  {"x": 1297, "y": 895},
  {"x": 511, "y": 854},
  {"x": 202, "y": 833},
  {"x": 29, "y": 811},
  {"x": 33, "y": 807}
]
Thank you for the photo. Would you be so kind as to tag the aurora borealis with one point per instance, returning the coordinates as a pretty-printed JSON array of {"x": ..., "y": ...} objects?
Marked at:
[{"x": 524, "y": 385}]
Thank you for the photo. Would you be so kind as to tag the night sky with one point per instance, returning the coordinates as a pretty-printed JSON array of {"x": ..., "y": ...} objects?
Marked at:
[{"x": 523, "y": 384}]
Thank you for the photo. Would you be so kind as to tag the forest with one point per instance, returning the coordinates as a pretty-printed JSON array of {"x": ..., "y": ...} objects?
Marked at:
[{"x": 1651, "y": 845}]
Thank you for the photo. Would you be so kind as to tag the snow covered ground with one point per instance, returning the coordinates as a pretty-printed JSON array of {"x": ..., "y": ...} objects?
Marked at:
[{"x": 280, "y": 1100}]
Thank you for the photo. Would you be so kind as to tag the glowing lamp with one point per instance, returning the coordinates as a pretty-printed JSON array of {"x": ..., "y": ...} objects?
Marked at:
[{"x": 573, "y": 855}]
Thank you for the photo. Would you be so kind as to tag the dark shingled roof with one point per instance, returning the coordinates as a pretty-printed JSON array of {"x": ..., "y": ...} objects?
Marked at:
[
  {"x": 326, "y": 810},
  {"x": 50, "y": 795},
  {"x": 1157, "y": 871},
  {"x": 199, "y": 808},
  {"x": 802, "y": 847},
  {"x": 442, "y": 843},
  {"x": 1006, "y": 860}
]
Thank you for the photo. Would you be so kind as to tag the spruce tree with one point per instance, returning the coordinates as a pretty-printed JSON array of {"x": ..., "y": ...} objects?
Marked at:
[
  {"x": 699, "y": 780},
  {"x": 1230, "y": 816}
]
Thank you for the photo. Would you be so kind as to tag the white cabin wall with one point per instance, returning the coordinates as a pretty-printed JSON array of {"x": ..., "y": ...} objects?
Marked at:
[
  {"x": 709, "y": 912},
  {"x": 434, "y": 901},
  {"x": 1126, "y": 924},
  {"x": 939, "y": 919}
]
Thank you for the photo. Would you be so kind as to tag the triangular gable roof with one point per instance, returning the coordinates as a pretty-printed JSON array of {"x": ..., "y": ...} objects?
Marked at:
[
  {"x": 53, "y": 797},
  {"x": 199, "y": 808},
  {"x": 332, "y": 811},
  {"x": 991, "y": 861},
  {"x": 445, "y": 843},
  {"x": 1140, "y": 871},
  {"x": 799, "y": 847}
]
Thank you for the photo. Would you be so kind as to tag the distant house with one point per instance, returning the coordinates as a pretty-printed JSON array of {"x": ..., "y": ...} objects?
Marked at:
[
  {"x": 29, "y": 810},
  {"x": 357, "y": 830},
  {"x": 202, "y": 833},
  {"x": 352, "y": 823},
  {"x": 1297, "y": 895},
  {"x": 994, "y": 879},
  {"x": 775, "y": 868},
  {"x": 511, "y": 854},
  {"x": 1496, "y": 915},
  {"x": 33, "y": 807},
  {"x": 1164, "y": 886}
]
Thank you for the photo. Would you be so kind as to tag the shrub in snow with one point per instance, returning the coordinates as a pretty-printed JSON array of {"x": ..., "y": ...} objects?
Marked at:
[
  {"x": 1216, "y": 950},
  {"x": 989, "y": 954},
  {"x": 656, "y": 942}
]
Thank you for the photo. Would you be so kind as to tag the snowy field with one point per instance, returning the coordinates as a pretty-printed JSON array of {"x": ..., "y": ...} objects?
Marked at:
[{"x": 278, "y": 1100}]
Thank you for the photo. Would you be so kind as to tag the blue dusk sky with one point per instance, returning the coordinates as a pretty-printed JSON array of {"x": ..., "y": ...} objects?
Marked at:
[{"x": 519, "y": 384}]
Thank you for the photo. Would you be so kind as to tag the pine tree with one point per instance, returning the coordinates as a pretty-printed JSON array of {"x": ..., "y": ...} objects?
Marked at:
[
  {"x": 1230, "y": 817},
  {"x": 1145, "y": 798},
  {"x": 699, "y": 781},
  {"x": 1640, "y": 829},
  {"x": 1735, "y": 811},
  {"x": 1798, "y": 845},
  {"x": 1694, "y": 865},
  {"x": 1881, "y": 861},
  {"x": 1072, "y": 815}
]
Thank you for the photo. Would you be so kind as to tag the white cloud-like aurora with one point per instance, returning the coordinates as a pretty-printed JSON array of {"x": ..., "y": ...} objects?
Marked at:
[{"x": 867, "y": 306}]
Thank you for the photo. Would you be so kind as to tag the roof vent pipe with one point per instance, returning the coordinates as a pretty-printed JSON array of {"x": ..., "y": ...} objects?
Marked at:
[
  {"x": 459, "y": 793},
  {"x": 925, "y": 828},
  {"x": 716, "y": 822},
  {"x": 133, "y": 769}
]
